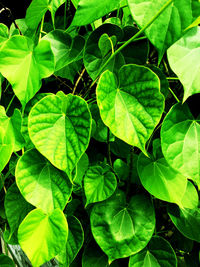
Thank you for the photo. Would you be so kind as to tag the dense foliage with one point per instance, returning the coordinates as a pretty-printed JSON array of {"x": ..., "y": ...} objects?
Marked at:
[{"x": 99, "y": 137}]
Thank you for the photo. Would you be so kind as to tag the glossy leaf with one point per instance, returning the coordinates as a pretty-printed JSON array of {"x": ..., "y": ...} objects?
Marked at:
[
  {"x": 16, "y": 207},
  {"x": 40, "y": 183},
  {"x": 74, "y": 241},
  {"x": 16, "y": 121},
  {"x": 160, "y": 180},
  {"x": 187, "y": 221},
  {"x": 81, "y": 168},
  {"x": 18, "y": 54},
  {"x": 125, "y": 105},
  {"x": 99, "y": 184},
  {"x": 182, "y": 56},
  {"x": 122, "y": 229},
  {"x": 190, "y": 199},
  {"x": 158, "y": 253},
  {"x": 43, "y": 236},
  {"x": 65, "y": 137},
  {"x": 5, "y": 261},
  {"x": 91, "y": 10},
  {"x": 180, "y": 141},
  {"x": 4, "y": 35},
  {"x": 168, "y": 27},
  {"x": 65, "y": 49}
]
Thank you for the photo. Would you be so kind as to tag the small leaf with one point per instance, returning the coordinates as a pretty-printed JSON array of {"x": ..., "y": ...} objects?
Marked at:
[
  {"x": 122, "y": 229},
  {"x": 99, "y": 184},
  {"x": 19, "y": 54},
  {"x": 132, "y": 106},
  {"x": 43, "y": 236},
  {"x": 158, "y": 253},
  {"x": 40, "y": 183},
  {"x": 60, "y": 129}
]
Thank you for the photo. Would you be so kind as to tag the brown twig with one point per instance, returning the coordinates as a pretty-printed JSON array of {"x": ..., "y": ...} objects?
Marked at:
[{"x": 78, "y": 80}]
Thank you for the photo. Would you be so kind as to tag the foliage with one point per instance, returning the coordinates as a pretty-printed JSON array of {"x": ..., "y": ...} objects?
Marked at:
[{"x": 99, "y": 142}]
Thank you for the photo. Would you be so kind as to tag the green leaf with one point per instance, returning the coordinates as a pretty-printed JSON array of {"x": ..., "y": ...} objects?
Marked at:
[
  {"x": 43, "y": 236},
  {"x": 19, "y": 54},
  {"x": 168, "y": 27},
  {"x": 99, "y": 184},
  {"x": 187, "y": 221},
  {"x": 70, "y": 71},
  {"x": 132, "y": 106},
  {"x": 7, "y": 139},
  {"x": 158, "y": 253},
  {"x": 74, "y": 241},
  {"x": 40, "y": 183},
  {"x": 5, "y": 261},
  {"x": 65, "y": 49},
  {"x": 121, "y": 169},
  {"x": 122, "y": 229},
  {"x": 182, "y": 56},
  {"x": 60, "y": 129},
  {"x": 190, "y": 199},
  {"x": 4, "y": 35},
  {"x": 16, "y": 207},
  {"x": 16, "y": 121},
  {"x": 180, "y": 141},
  {"x": 91, "y": 10},
  {"x": 160, "y": 180},
  {"x": 81, "y": 168}
]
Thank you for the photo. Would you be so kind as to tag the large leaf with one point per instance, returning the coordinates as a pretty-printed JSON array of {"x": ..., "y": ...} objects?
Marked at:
[
  {"x": 99, "y": 184},
  {"x": 168, "y": 27},
  {"x": 66, "y": 50},
  {"x": 16, "y": 121},
  {"x": 187, "y": 221},
  {"x": 74, "y": 241},
  {"x": 182, "y": 56},
  {"x": 91, "y": 10},
  {"x": 20, "y": 54},
  {"x": 60, "y": 129},
  {"x": 40, "y": 183},
  {"x": 158, "y": 253},
  {"x": 16, "y": 207},
  {"x": 43, "y": 236},
  {"x": 190, "y": 199},
  {"x": 5, "y": 261},
  {"x": 132, "y": 106},
  {"x": 37, "y": 10},
  {"x": 180, "y": 140},
  {"x": 160, "y": 180},
  {"x": 122, "y": 229}
]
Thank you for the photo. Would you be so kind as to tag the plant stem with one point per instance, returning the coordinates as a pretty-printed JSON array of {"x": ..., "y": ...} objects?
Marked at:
[
  {"x": 174, "y": 95},
  {"x": 108, "y": 143},
  {"x": 172, "y": 78},
  {"x": 135, "y": 40},
  {"x": 41, "y": 28},
  {"x": 130, "y": 171},
  {"x": 10, "y": 103},
  {"x": 65, "y": 15},
  {"x": 4, "y": 188},
  {"x": 78, "y": 80},
  {"x": 134, "y": 36}
]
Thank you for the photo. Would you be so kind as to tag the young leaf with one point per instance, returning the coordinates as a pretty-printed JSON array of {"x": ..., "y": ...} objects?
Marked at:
[
  {"x": 19, "y": 54},
  {"x": 91, "y": 10},
  {"x": 99, "y": 184},
  {"x": 158, "y": 253},
  {"x": 43, "y": 236},
  {"x": 160, "y": 180},
  {"x": 180, "y": 140},
  {"x": 16, "y": 207},
  {"x": 74, "y": 241},
  {"x": 132, "y": 106},
  {"x": 182, "y": 56},
  {"x": 122, "y": 229},
  {"x": 60, "y": 129},
  {"x": 40, "y": 183},
  {"x": 187, "y": 221},
  {"x": 168, "y": 27}
]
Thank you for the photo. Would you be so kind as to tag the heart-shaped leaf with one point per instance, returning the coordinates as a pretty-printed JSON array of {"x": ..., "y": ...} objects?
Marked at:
[
  {"x": 43, "y": 236},
  {"x": 122, "y": 229},
  {"x": 182, "y": 56},
  {"x": 160, "y": 180},
  {"x": 40, "y": 183},
  {"x": 19, "y": 54},
  {"x": 168, "y": 27},
  {"x": 60, "y": 129},
  {"x": 99, "y": 184},
  {"x": 132, "y": 106},
  {"x": 158, "y": 253},
  {"x": 180, "y": 140}
]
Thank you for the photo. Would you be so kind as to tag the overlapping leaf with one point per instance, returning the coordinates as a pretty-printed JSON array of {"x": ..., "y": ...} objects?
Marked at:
[
  {"x": 122, "y": 229},
  {"x": 59, "y": 127},
  {"x": 42, "y": 184},
  {"x": 24, "y": 65},
  {"x": 182, "y": 56},
  {"x": 132, "y": 106},
  {"x": 43, "y": 236}
]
